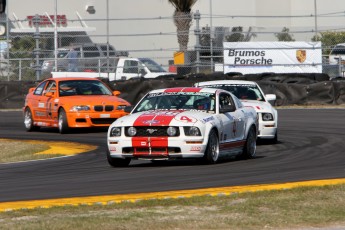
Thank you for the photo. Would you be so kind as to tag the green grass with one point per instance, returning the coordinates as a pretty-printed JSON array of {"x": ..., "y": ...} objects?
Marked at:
[
  {"x": 285, "y": 209},
  {"x": 305, "y": 207},
  {"x": 14, "y": 151}
]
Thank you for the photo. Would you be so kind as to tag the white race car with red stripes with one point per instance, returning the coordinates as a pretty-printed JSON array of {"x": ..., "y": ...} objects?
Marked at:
[
  {"x": 250, "y": 94},
  {"x": 172, "y": 123}
]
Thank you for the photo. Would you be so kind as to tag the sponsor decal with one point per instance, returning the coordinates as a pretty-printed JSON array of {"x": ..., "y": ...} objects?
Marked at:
[
  {"x": 250, "y": 57},
  {"x": 195, "y": 149},
  {"x": 150, "y": 122},
  {"x": 56, "y": 100},
  {"x": 41, "y": 105},
  {"x": 183, "y": 89},
  {"x": 173, "y": 92},
  {"x": 208, "y": 119},
  {"x": 301, "y": 55},
  {"x": 40, "y": 114}
]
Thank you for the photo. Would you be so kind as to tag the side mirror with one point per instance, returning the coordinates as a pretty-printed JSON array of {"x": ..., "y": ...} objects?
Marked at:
[
  {"x": 271, "y": 98},
  {"x": 49, "y": 94},
  {"x": 116, "y": 93},
  {"x": 128, "y": 108},
  {"x": 31, "y": 90},
  {"x": 227, "y": 109}
]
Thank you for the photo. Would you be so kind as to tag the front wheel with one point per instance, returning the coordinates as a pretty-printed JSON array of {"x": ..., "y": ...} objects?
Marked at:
[
  {"x": 212, "y": 150},
  {"x": 63, "y": 124},
  {"x": 117, "y": 162},
  {"x": 29, "y": 121},
  {"x": 249, "y": 148}
]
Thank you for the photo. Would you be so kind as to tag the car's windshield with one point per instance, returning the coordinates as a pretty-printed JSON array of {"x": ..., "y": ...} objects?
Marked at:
[
  {"x": 152, "y": 65},
  {"x": 177, "y": 101},
  {"x": 241, "y": 91},
  {"x": 82, "y": 87},
  {"x": 338, "y": 50}
]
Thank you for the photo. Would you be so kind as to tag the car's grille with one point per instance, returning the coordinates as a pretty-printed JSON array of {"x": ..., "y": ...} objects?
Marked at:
[
  {"x": 153, "y": 151},
  {"x": 152, "y": 131},
  {"x": 101, "y": 108},
  {"x": 101, "y": 121}
]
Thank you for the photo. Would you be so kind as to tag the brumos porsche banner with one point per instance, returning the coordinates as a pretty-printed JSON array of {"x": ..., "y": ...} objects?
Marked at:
[{"x": 277, "y": 57}]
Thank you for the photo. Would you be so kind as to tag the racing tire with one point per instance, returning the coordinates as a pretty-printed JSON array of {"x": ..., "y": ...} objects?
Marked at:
[
  {"x": 249, "y": 149},
  {"x": 275, "y": 139},
  {"x": 29, "y": 121},
  {"x": 63, "y": 124},
  {"x": 212, "y": 149},
  {"x": 117, "y": 162}
]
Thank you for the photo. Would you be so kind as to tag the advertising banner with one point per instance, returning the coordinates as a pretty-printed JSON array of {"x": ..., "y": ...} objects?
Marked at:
[{"x": 275, "y": 57}]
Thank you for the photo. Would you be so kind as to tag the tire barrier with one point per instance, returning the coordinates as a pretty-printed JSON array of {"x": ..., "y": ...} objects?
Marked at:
[{"x": 291, "y": 89}]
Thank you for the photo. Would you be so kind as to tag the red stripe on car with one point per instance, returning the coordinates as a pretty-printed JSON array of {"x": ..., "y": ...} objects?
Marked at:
[
  {"x": 146, "y": 146},
  {"x": 157, "y": 118},
  {"x": 231, "y": 145}
]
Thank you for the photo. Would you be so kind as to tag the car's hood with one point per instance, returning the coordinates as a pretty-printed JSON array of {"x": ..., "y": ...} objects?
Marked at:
[
  {"x": 259, "y": 106},
  {"x": 164, "y": 118},
  {"x": 93, "y": 100}
]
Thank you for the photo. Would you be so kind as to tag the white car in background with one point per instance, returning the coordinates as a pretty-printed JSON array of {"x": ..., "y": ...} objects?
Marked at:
[
  {"x": 250, "y": 94},
  {"x": 337, "y": 54},
  {"x": 173, "y": 123}
]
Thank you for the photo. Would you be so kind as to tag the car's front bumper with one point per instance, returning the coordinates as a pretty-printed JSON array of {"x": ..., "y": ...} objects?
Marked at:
[
  {"x": 156, "y": 147},
  {"x": 267, "y": 129},
  {"x": 85, "y": 119}
]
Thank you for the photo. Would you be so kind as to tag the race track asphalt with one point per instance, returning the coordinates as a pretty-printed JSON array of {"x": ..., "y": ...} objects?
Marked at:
[{"x": 311, "y": 147}]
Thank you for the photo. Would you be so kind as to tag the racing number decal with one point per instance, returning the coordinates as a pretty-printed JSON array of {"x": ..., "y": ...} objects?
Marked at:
[{"x": 186, "y": 119}]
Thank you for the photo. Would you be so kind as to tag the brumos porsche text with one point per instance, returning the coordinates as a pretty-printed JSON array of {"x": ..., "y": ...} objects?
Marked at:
[{"x": 250, "y": 57}]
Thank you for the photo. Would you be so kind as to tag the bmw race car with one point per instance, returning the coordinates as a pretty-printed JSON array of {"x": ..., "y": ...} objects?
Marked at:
[
  {"x": 173, "y": 123},
  {"x": 250, "y": 94},
  {"x": 67, "y": 103}
]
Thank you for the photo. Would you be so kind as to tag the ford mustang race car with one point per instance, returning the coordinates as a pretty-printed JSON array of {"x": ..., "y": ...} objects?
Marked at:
[
  {"x": 70, "y": 103},
  {"x": 172, "y": 123},
  {"x": 250, "y": 94}
]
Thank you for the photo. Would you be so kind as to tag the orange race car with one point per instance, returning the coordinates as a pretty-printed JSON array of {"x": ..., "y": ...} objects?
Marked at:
[{"x": 72, "y": 102}]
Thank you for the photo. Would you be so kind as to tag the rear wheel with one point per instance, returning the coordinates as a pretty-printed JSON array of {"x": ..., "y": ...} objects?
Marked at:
[
  {"x": 117, "y": 162},
  {"x": 29, "y": 121},
  {"x": 212, "y": 150},
  {"x": 63, "y": 124},
  {"x": 249, "y": 148}
]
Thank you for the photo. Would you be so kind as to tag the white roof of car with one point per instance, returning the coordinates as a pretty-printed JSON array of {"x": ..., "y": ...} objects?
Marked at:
[{"x": 228, "y": 82}]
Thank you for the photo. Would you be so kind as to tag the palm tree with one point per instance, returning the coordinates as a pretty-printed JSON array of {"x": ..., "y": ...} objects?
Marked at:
[{"x": 183, "y": 20}]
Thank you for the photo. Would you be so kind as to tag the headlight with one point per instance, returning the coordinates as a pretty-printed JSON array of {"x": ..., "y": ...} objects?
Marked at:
[
  {"x": 131, "y": 131},
  {"x": 192, "y": 131},
  {"x": 171, "y": 131},
  {"x": 267, "y": 117},
  {"x": 77, "y": 108},
  {"x": 115, "y": 132},
  {"x": 120, "y": 107}
]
